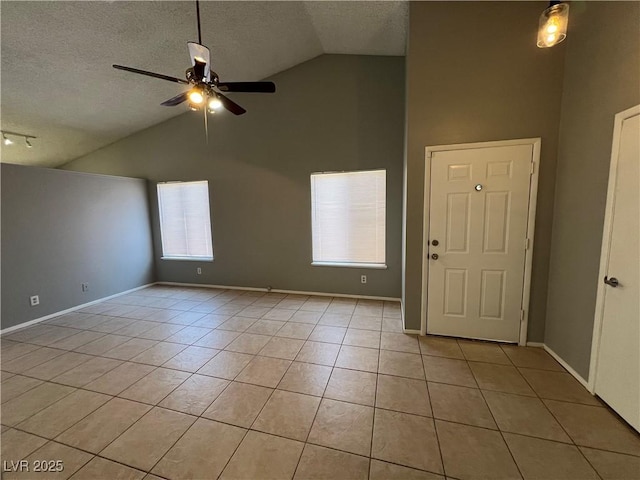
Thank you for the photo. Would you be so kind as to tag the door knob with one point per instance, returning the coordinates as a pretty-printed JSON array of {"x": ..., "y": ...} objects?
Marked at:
[
  {"x": 435, "y": 243},
  {"x": 612, "y": 282},
  {"x": 434, "y": 256}
]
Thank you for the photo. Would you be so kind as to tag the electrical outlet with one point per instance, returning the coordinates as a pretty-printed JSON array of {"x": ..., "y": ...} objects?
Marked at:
[
  {"x": 199, "y": 271},
  {"x": 363, "y": 279},
  {"x": 34, "y": 300},
  {"x": 85, "y": 287}
]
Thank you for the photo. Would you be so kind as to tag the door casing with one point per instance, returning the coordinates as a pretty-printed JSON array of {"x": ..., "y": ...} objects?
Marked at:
[{"x": 533, "y": 198}]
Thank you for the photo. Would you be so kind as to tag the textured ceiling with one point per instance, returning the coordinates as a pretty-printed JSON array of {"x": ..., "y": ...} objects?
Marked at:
[{"x": 58, "y": 84}]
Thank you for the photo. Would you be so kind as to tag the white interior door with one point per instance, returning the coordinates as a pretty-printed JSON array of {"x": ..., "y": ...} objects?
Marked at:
[
  {"x": 478, "y": 218},
  {"x": 618, "y": 362}
]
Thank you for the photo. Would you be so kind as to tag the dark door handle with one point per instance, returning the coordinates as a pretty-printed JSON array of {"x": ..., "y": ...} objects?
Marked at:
[
  {"x": 612, "y": 282},
  {"x": 434, "y": 256}
]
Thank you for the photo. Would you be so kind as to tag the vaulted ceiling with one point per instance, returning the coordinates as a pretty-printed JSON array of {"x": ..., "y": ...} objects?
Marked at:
[{"x": 58, "y": 84}]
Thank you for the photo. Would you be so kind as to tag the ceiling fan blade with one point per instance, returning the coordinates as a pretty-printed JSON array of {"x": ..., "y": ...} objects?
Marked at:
[
  {"x": 199, "y": 70},
  {"x": 200, "y": 54},
  {"x": 230, "y": 105},
  {"x": 151, "y": 74},
  {"x": 177, "y": 100},
  {"x": 249, "y": 87}
]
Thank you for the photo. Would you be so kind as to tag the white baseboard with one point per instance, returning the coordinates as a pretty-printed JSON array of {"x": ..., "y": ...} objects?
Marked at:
[
  {"x": 535, "y": 344},
  {"x": 410, "y": 331},
  {"x": 69, "y": 310},
  {"x": 278, "y": 290},
  {"x": 567, "y": 367}
]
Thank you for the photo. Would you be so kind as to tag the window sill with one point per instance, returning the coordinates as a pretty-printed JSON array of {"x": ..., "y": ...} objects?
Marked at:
[
  {"x": 189, "y": 259},
  {"x": 378, "y": 266}
]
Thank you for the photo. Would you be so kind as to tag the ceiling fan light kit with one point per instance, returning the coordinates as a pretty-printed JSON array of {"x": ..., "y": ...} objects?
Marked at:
[
  {"x": 552, "y": 26},
  {"x": 206, "y": 88}
]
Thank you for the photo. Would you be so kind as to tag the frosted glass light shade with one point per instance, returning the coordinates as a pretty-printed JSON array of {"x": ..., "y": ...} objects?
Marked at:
[{"x": 552, "y": 28}]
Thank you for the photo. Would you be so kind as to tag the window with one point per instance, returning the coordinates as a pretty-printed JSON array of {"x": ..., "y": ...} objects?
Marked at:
[
  {"x": 348, "y": 216},
  {"x": 185, "y": 224}
]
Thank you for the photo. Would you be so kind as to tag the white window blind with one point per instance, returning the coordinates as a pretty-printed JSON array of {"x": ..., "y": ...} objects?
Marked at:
[
  {"x": 185, "y": 223},
  {"x": 348, "y": 217}
]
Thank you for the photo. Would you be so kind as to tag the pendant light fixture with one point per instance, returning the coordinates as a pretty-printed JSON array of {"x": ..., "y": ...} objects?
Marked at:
[{"x": 552, "y": 27}]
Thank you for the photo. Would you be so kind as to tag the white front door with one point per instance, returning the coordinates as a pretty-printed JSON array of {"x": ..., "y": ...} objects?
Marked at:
[
  {"x": 617, "y": 379},
  {"x": 478, "y": 217}
]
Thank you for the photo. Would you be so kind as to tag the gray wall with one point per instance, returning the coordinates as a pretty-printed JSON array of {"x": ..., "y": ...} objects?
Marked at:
[
  {"x": 61, "y": 229},
  {"x": 602, "y": 78},
  {"x": 335, "y": 112},
  {"x": 474, "y": 74}
]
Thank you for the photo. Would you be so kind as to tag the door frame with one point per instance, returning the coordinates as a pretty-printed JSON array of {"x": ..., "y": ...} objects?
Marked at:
[
  {"x": 531, "y": 221},
  {"x": 606, "y": 242}
]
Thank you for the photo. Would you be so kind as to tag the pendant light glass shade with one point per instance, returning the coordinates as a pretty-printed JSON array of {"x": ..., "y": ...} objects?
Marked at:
[{"x": 552, "y": 28}]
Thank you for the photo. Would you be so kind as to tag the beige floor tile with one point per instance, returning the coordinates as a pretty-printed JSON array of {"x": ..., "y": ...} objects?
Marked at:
[
  {"x": 238, "y": 324},
  {"x": 400, "y": 342},
  {"x": 239, "y": 404},
  {"x": 344, "y": 426},
  {"x": 403, "y": 395},
  {"x": 524, "y": 415},
  {"x": 226, "y": 365},
  {"x": 316, "y": 304},
  {"x": 265, "y": 327},
  {"x": 6, "y": 376},
  {"x": 335, "y": 319},
  {"x": 102, "y": 344},
  {"x": 159, "y": 353},
  {"x": 306, "y": 378},
  {"x": 264, "y": 371},
  {"x": 320, "y": 463},
  {"x": 77, "y": 340},
  {"x": 248, "y": 343},
  {"x": 328, "y": 333},
  {"x": 531, "y": 357},
  {"x": 191, "y": 358},
  {"x": 141, "y": 446},
  {"x": 500, "y": 378},
  {"x": 110, "y": 325},
  {"x": 186, "y": 318},
  {"x": 254, "y": 312},
  {"x": 366, "y": 323},
  {"x": 195, "y": 394},
  {"x": 460, "y": 404},
  {"x": 401, "y": 364},
  {"x": 71, "y": 459},
  {"x": 87, "y": 372},
  {"x": 130, "y": 349},
  {"x": 474, "y": 453},
  {"x": 362, "y": 338},
  {"x": 440, "y": 347},
  {"x": 18, "y": 445},
  {"x": 61, "y": 415},
  {"x": 613, "y": 466},
  {"x": 136, "y": 328},
  {"x": 279, "y": 314},
  {"x": 17, "y": 385},
  {"x": 448, "y": 370},
  {"x": 280, "y": 347},
  {"x": 12, "y": 350},
  {"x": 300, "y": 331},
  {"x": 99, "y": 468},
  {"x": 388, "y": 471},
  {"x": 31, "y": 402},
  {"x": 483, "y": 352},
  {"x": 306, "y": 316},
  {"x": 211, "y": 320},
  {"x": 318, "y": 353},
  {"x": 595, "y": 427},
  {"x": 217, "y": 339},
  {"x": 162, "y": 331},
  {"x": 120, "y": 378},
  {"x": 155, "y": 386},
  {"x": 100, "y": 428},
  {"x": 358, "y": 358},
  {"x": 368, "y": 310},
  {"x": 202, "y": 452},
  {"x": 392, "y": 325},
  {"x": 287, "y": 414},
  {"x": 406, "y": 439},
  {"x": 538, "y": 459},
  {"x": 25, "y": 362},
  {"x": 352, "y": 386},
  {"x": 263, "y": 456},
  {"x": 189, "y": 335},
  {"x": 558, "y": 386}
]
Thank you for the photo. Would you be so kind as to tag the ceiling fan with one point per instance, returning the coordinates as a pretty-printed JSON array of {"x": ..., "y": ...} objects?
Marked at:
[{"x": 205, "y": 85}]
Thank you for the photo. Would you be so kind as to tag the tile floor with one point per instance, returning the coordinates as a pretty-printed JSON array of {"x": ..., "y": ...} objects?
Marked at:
[{"x": 176, "y": 383}]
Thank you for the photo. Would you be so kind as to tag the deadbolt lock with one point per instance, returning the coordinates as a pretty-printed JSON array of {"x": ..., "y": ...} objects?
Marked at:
[{"x": 435, "y": 243}]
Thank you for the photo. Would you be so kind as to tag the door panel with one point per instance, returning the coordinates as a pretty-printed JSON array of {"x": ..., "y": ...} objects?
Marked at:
[
  {"x": 618, "y": 365},
  {"x": 478, "y": 214}
]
